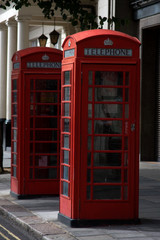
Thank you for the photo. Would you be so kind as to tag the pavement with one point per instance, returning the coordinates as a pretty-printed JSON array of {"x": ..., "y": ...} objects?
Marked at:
[{"x": 39, "y": 215}]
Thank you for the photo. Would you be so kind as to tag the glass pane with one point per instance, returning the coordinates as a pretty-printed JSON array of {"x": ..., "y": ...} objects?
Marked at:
[
  {"x": 45, "y": 122},
  {"x": 14, "y": 84},
  {"x": 107, "y": 127},
  {"x": 66, "y": 93},
  {"x": 14, "y": 169},
  {"x": 89, "y": 94},
  {"x": 107, "y": 175},
  {"x": 14, "y": 121},
  {"x": 88, "y": 192},
  {"x": 66, "y": 125},
  {"x": 126, "y": 159},
  {"x": 46, "y": 110},
  {"x": 89, "y": 142},
  {"x": 107, "y": 143},
  {"x": 88, "y": 175},
  {"x": 45, "y": 160},
  {"x": 45, "y": 147},
  {"x": 14, "y": 96},
  {"x": 89, "y": 126},
  {"x": 90, "y": 78},
  {"x": 126, "y": 95},
  {"x": 89, "y": 110},
  {"x": 109, "y": 94},
  {"x": 125, "y": 175},
  {"x": 66, "y": 141},
  {"x": 46, "y": 84},
  {"x": 14, "y": 106},
  {"x": 66, "y": 172},
  {"x": 43, "y": 135},
  {"x": 126, "y": 143},
  {"x": 45, "y": 173},
  {"x": 15, "y": 134},
  {"x": 107, "y": 159},
  {"x": 31, "y": 160},
  {"x": 66, "y": 77},
  {"x": 14, "y": 157},
  {"x": 66, "y": 109},
  {"x": 106, "y": 192},
  {"x": 109, "y": 78},
  {"x": 125, "y": 193},
  {"x": 65, "y": 188},
  {"x": 31, "y": 84},
  {"x": 14, "y": 146},
  {"x": 89, "y": 159},
  {"x": 31, "y": 173},
  {"x": 127, "y": 79},
  {"x": 126, "y": 110},
  {"x": 108, "y": 110},
  {"x": 66, "y": 157},
  {"x": 46, "y": 97},
  {"x": 126, "y": 127}
]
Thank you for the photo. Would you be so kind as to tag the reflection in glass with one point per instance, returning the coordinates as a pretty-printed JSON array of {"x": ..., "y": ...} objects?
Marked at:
[
  {"x": 88, "y": 192},
  {"x": 66, "y": 77},
  {"x": 109, "y": 78},
  {"x": 66, "y": 140},
  {"x": 66, "y": 156},
  {"x": 65, "y": 188},
  {"x": 109, "y": 94},
  {"x": 14, "y": 121},
  {"x": 89, "y": 110},
  {"x": 46, "y": 97},
  {"x": 106, "y": 192},
  {"x": 107, "y": 127},
  {"x": 45, "y": 160},
  {"x": 89, "y": 94},
  {"x": 14, "y": 158},
  {"x": 108, "y": 110},
  {"x": 46, "y": 110},
  {"x": 107, "y": 175},
  {"x": 65, "y": 172},
  {"x": 89, "y": 142},
  {"x": 66, "y": 109},
  {"x": 14, "y": 96},
  {"x": 89, "y": 126},
  {"x": 107, "y": 159},
  {"x": 66, "y": 122},
  {"x": 15, "y": 147},
  {"x": 46, "y": 84},
  {"x": 126, "y": 110},
  {"x": 127, "y": 79},
  {"x": 44, "y": 135},
  {"x": 66, "y": 93},
  {"x": 45, "y": 173},
  {"x": 90, "y": 77},
  {"x": 107, "y": 143},
  {"x": 45, "y": 147},
  {"x": 14, "y": 134}
]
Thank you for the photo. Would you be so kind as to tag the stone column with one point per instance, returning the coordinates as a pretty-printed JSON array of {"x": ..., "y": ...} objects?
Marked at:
[
  {"x": 3, "y": 69},
  {"x": 22, "y": 32}
]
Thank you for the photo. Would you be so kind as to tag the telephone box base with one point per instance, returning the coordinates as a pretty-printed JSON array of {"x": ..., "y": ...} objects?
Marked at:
[{"x": 95, "y": 222}]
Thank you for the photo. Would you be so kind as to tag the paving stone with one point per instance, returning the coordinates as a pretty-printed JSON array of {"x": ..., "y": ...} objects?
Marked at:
[
  {"x": 48, "y": 228},
  {"x": 59, "y": 237}
]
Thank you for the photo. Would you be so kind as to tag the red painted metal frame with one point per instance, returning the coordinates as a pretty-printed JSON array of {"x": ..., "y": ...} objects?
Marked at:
[
  {"x": 21, "y": 184},
  {"x": 74, "y": 60}
]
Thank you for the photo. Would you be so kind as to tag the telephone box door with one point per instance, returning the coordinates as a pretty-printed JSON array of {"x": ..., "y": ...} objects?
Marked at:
[
  {"x": 42, "y": 124},
  {"x": 108, "y": 148}
]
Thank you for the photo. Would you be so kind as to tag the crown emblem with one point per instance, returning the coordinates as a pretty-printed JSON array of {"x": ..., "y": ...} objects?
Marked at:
[
  {"x": 45, "y": 57},
  {"x": 108, "y": 42}
]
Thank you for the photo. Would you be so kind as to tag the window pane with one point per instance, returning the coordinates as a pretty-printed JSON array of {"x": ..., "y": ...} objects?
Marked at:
[
  {"x": 108, "y": 110},
  {"x": 46, "y": 84},
  {"x": 14, "y": 121},
  {"x": 66, "y": 78},
  {"x": 109, "y": 94},
  {"x": 44, "y": 135},
  {"x": 14, "y": 134},
  {"x": 14, "y": 96},
  {"x": 46, "y": 97},
  {"x": 66, "y": 93},
  {"x": 66, "y": 109},
  {"x": 14, "y": 109},
  {"x": 65, "y": 188},
  {"x": 66, "y": 172},
  {"x": 90, "y": 78},
  {"x": 45, "y": 173},
  {"x": 45, "y": 122},
  {"x": 89, "y": 110},
  {"x": 107, "y": 175},
  {"x": 66, "y": 141},
  {"x": 46, "y": 110},
  {"x": 45, "y": 160},
  {"x": 109, "y": 78},
  {"x": 127, "y": 79},
  {"x": 107, "y": 127},
  {"x": 66, "y": 157},
  {"x": 66, "y": 125},
  {"x": 89, "y": 94},
  {"x": 89, "y": 127},
  {"x": 106, "y": 192},
  {"x": 107, "y": 159},
  {"x": 14, "y": 84},
  {"x": 45, "y": 147},
  {"x": 107, "y": 143}
]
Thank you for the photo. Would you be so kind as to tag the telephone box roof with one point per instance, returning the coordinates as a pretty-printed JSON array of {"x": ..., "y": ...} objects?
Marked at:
[{"x": 80, "y": 36}]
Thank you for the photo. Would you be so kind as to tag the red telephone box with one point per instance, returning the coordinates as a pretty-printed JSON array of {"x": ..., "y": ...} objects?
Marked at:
[
  {"x": 35, "y": 121},
  {"x": 100, "y": 127}
]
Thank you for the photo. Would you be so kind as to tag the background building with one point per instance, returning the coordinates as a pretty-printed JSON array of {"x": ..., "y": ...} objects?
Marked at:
[{"x": 140, "y": 18}]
